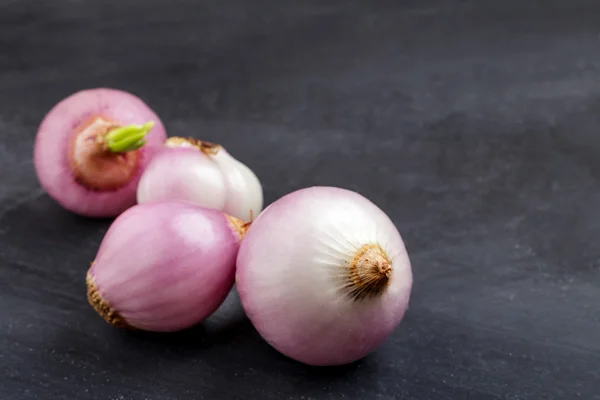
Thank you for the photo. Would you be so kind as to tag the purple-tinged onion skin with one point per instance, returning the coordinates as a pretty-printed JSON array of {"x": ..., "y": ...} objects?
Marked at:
[
  {"x": 292, "y": 278},
  {"x": 164, "y": 266},
  {"x": 53, "y": 141}
]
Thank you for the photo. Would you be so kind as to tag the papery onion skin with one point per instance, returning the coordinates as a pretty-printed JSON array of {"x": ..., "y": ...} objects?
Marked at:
[
  {"x": 174, "y": 174},
  {"x": 235, "y": 190},
  {"x": 294, "y": 283},
  {"x": 53, "y": 158},
  {"x": 164, "y": 266}
]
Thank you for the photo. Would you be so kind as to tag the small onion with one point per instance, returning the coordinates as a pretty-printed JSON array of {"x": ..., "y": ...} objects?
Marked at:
[
  {"x": 171, "y": 176},
  {"x": 202, "y": 173},
  {"x": 164, "y": 266},
  {"x": 324, "y": 276},
  {"x": 91, "y": 148}
]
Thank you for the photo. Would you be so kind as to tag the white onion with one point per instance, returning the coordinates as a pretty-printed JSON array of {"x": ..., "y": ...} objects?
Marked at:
[
  {"x": 324, "y": 276},
  {"x": 183, "y": 174},
  {"x": 202, "y": 173},
  {"x": 244, "y": 191}
]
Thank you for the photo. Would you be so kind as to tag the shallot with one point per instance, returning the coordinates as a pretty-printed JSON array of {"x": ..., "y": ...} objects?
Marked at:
[
  {"x": 203, "y": 173},
  {"x": 324, "y": 276},
  {"x": 91, "y": 148},
  {"x": 164, "y": 266}
]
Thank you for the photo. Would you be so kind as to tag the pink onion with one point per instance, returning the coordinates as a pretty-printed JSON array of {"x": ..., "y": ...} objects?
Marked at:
[
  {"x": 92, "y": 147},
  {"x": 203, "y": 173},
  {"x": 164, "y": 266},
  {"x": 324, "y": 276}
]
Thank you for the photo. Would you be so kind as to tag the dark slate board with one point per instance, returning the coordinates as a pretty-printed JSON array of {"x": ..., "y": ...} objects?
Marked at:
[{"x": 474, "y": 124}]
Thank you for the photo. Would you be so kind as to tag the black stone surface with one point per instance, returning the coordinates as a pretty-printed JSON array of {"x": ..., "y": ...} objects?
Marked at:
[{"x": 474, "y": 124}]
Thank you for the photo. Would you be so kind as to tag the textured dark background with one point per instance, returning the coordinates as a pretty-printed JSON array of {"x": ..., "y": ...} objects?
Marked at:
[{"x": 474, "y": 124}]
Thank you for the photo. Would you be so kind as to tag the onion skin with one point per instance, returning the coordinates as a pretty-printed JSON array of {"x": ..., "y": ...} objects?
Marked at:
[
  {"x": 297, "y": 274},
  {"x": 164, "y": 266},
  {"x": 53, "y": 157},
  {"x": 203, "y": 173},
  {"x": 169, "y": 174},
  {"x": 244, "y": 190}
]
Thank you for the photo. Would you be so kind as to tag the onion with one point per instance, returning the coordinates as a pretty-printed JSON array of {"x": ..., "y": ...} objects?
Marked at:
[
  {"x": 324, "y": 276},
  {"x": 164, "y": 266},
  {"x": 91, "y": 148},
  {"x": 203, "y": 173}
]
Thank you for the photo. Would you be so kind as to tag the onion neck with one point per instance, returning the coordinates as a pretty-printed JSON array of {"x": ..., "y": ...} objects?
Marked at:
[
  {"x": 103, "y": 155},
  {"x": 203, "y": 146},
  {"x": 369, "y": 272}
]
